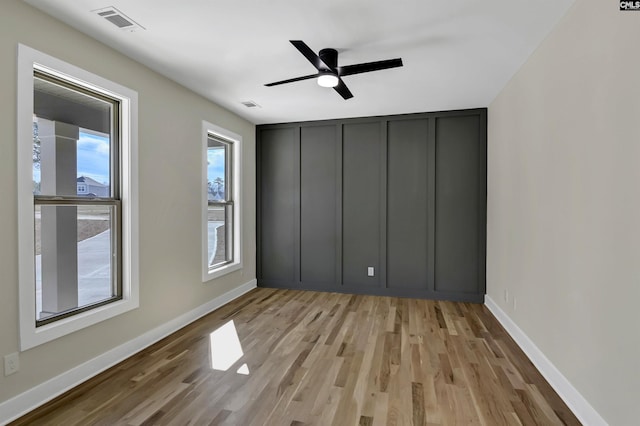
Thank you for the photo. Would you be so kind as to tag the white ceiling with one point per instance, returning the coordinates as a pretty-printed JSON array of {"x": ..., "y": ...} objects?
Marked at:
[{"x": 457, "y": 53}]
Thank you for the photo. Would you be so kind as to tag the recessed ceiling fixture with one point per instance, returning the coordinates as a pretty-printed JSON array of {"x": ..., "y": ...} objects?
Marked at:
[
  {"x": 118, "y": 18},
  {"x": 329, "y": 73}
]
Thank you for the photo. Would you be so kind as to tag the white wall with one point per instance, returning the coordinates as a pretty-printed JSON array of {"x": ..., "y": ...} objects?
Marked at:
[
  {"x": 564, "y": 203},
  {"x": 170, "y": 120}
]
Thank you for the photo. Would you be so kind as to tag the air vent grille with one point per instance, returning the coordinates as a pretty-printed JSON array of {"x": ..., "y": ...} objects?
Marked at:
[
  {"x": 118, "y": 18},
  {"x": 250, "y": 104},
  {"x": 119, "y": 21}
]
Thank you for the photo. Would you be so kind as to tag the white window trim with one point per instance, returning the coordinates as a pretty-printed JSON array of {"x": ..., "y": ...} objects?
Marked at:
[
  {"x": 30, "y": 335},
  {"x": 212, "y": 129}
]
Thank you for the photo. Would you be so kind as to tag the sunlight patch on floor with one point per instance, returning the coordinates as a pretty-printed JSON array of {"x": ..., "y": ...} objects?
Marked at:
[{"x": 226, "y": 349}]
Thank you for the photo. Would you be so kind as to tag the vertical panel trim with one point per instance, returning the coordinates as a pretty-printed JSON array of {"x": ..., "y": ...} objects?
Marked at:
[
  {"x": 339, "y": 191},
  {"x": 431, "y": 203},
  {"x": 258, "y": 205},
  {"x": 384, "y": 184},
  {"x": 297, "y": 206},
  {"x": 482, "y": 204}
]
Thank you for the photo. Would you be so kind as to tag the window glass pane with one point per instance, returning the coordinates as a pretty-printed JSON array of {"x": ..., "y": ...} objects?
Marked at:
[
  {"x": 73, "y": 273},
  {"x": 217, "y": 170},
  {"x": 217, "y": 235},
  {"x": 93, "y": 165},
  {"x": 36, "y": 158},
  {"x": 228, "y": 232},
  {"x": 72, "y": 146}
]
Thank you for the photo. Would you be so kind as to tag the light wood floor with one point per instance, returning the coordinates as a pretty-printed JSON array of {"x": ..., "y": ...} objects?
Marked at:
[{"x": 323, "y": 359}]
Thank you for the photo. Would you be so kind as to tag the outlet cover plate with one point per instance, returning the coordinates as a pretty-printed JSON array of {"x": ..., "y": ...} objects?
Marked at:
[{"x": 11, "y": 364}]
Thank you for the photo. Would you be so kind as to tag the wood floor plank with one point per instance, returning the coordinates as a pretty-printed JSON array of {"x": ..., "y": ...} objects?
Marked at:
[{"x": 311, "y": 358}]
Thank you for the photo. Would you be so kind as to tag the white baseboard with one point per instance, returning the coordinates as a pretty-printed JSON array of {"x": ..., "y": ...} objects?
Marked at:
[
  {"x": 35, "y": 397},
  {"x": 570, "y": 395}
]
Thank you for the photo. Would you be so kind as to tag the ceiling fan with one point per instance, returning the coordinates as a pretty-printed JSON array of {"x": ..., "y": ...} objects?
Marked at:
[{"x": 329, "y": 73}]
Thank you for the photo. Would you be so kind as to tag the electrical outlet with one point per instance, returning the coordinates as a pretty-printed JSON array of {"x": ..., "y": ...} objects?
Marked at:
[
  {"x": 506, "y": 295},
  {"x": 514, "y": 304},
  {"x": 11, "y": 364},
  {"x": 370, "y": 271}
]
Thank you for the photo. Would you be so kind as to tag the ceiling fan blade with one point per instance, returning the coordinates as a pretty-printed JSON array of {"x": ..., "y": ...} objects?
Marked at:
[
  {"x": 310, "y": 55},
  {"x": 368, "y": 67},
  {"x": 291, "y": 80},
  {"x": 343, "y": 90}
]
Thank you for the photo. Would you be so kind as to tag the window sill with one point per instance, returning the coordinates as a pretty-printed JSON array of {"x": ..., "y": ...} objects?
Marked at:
[
  {"x": 32, "y": 336},
  {"x": 221, "y": 271}
]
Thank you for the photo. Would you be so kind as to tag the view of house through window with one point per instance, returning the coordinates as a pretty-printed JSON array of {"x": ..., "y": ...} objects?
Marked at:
[
  {"x": 220, "y": 202},
  {"x": 76, "y": 198}
]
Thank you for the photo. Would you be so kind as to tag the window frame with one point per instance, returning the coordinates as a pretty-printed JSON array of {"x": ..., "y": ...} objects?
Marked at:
[
  {"x": 31, "y": 335},
  {"x": 227, "y": 203},
  {"x": 233, "y": 174},
  {"x": 112, "y": 200}
]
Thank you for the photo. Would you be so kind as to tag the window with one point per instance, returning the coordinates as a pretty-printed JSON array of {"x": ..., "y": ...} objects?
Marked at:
[
  {"x": 220, "y": 200},
  {"x": 76, "y": 145},
  {"x": 221, "y": 223}
]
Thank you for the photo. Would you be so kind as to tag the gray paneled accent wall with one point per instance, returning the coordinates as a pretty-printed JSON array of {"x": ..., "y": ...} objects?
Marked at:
[
  {"x": 457, "y": 204},
  {"x": 277, "y": 209},
  {"x": 410, "y": 198},
  {"x": 318, "y": 204},
  {"x": 360, "y": 203},
  {"x": 404, "y": 195}
]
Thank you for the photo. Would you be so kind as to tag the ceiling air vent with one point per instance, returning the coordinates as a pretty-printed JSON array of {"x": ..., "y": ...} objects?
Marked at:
[
  {"x": 250, "y": 104},
  {"x": 118, "y": 18}
]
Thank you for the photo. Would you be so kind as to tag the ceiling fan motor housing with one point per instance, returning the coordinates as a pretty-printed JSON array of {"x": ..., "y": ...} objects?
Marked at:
[{"x": 329, "y": 57}]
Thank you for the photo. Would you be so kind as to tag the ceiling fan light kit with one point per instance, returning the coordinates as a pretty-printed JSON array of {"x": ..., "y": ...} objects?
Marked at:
[
  {"x": 329, "y": 73},
  {"x": 328, "y": 79}
]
